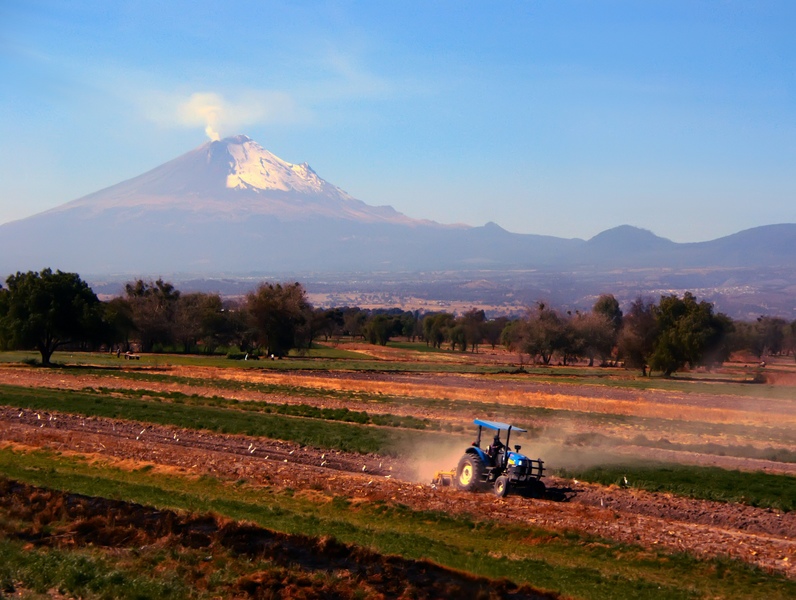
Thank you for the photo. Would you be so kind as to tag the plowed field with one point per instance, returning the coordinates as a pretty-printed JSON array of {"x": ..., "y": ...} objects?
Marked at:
[{"x": 761, "y": 537}]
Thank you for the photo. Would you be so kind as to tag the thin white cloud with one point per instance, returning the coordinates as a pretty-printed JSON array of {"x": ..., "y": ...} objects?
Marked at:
[{"x": 346, "y": 78}]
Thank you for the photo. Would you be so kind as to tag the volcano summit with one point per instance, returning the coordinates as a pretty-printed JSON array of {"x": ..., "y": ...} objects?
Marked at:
[
  {"x": 233, "y": 178},
  {"x": 227, "y": 206}
]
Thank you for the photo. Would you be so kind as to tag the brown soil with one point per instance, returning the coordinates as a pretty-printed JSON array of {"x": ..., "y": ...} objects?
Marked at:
[
  {"x": 773, "y": 420},
  {"x": 758, "y": 536},
  {"x": 68, "y": 520}
]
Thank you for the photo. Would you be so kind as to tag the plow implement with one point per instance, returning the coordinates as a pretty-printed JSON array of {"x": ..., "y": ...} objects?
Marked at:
[{"x": 443, "y": 478}]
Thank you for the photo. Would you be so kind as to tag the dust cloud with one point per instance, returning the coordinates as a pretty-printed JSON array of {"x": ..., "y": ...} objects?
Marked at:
[{"x": 425, "y": 459}]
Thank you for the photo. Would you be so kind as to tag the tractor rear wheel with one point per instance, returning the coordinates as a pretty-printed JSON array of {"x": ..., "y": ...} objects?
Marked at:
[
  {"x": 469, "y": 473},
  {"x": 501, "y": 486}
]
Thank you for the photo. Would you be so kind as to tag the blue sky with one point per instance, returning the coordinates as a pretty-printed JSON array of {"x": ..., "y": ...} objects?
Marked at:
[{"x": 559, "y": 118}]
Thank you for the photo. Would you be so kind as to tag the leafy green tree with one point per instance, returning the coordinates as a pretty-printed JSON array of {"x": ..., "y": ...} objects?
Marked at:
[
  {"x": 457, "y": 336},
  {"x": 186, "y": 327},
  {"x": 154, "y": 306},
  {"x": 201, "y": 317},
  {"x": 410, "y": 325},
  {"x": 593, "y": 334},
  {"x": 380, "y": 328},
  {"x": 384, "y": 324},
  {"x": 241, "y": 329},
  {"x": 493, "y": 330},
  {"x": 543, "y": 333},
  {"x": 48, "y": 310},
  {"x": 790, "y": 338},
  {"x": 119, "y": 322},
  {"x": 573, "y": 341},
  {"x": 354, "y": 320},
  {"x": 278, "y": 312},
  {"x": 436, "y": 328},
  {"x": 608, "y": 306},
  {"x": 637, "y": 336},
  {"x": 5, "y": 340},
  {"x": 770, "y": 338},
  {"x": 327, "y": 322},
  {"x": 472, "y": 324},
  {"x": 688, "y": 334},
  {"x": 511, "y": 337},
  {"x": 220, "y": 320}
]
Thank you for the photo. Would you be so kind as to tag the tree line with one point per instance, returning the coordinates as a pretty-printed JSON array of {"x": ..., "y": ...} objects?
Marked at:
[{"x": 49, "y": 310}]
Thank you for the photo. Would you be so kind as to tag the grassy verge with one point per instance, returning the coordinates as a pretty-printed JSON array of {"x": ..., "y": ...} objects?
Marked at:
[
  {"x": 313, "y": 361},
  {"x": 294, "y": 410},
  {"x": 528, "y": 417},
  {"x": 578, "y": 566},
  {"x": 167, "y": 571},
  {"x": 349, "y": 437},
  {"x": 745, "y": 451},
  {"x": 85, "y": 574},
  {"x": 708, "y": 483},
  {"x": 325, "y": 359}
]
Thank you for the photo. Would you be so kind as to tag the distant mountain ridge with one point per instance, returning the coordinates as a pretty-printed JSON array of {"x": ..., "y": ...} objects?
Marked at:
[{"x": 230, "y": 206}]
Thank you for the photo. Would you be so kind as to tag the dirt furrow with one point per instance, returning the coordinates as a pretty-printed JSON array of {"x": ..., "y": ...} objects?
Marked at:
[
  {"x": 82, "y": 520},
  {"x": 757, "y": 536}
]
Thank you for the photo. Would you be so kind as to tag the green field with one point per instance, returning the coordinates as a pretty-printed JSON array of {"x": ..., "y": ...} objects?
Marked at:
[
  {"x": 572, "y": 563},
  {"x": 575, "y": 565},
  {"x": 352, "y": 431},
  {"x": 736, "y": 382}
]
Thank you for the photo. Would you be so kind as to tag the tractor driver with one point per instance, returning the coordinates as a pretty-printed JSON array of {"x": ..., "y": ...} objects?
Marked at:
[{"x": 495, "y": 447}]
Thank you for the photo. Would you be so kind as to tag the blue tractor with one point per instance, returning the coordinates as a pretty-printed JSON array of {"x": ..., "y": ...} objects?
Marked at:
[{"x": 499, "y": 467}]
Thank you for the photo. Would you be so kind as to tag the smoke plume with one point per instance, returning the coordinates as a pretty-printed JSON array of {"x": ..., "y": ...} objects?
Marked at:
[
  {"x": 221, "y": 117},
  {"x": 204, "y": 109}
]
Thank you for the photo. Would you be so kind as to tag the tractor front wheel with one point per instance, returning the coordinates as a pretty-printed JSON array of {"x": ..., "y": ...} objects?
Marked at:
[
  {"x": 469, "y": 473},
  {"x": 501, "y": 486}
]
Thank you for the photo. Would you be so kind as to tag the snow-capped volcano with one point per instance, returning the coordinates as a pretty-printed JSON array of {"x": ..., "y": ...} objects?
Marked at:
[
  {"x": 231, "y": 206},
  {"x": 233, "y": 179},
  {"x": 254, "y": 167}
]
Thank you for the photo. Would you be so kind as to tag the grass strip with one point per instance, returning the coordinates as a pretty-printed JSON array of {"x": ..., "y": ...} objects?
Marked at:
[
  {"x": 737, "y": 384},
  {"x": 527, "y": 417},
  {"x": 82, "y": 574},
  {"x": 308, "y": 363},
  {"x": 409, "y": 422},
  {"x": 759, "y": 489},
  {"x": 349, "y": 437},
  {"x": 153, "y": 572},
  {"x": 294, "y": 410},
  {"x": 746, "y": 451},
  {"x": 578, "y": 566},
  {"x": 709, "y": 483}
]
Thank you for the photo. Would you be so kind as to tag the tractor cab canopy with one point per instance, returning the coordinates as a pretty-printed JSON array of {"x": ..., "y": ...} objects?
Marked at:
[{"x": 496, "y": 426}]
